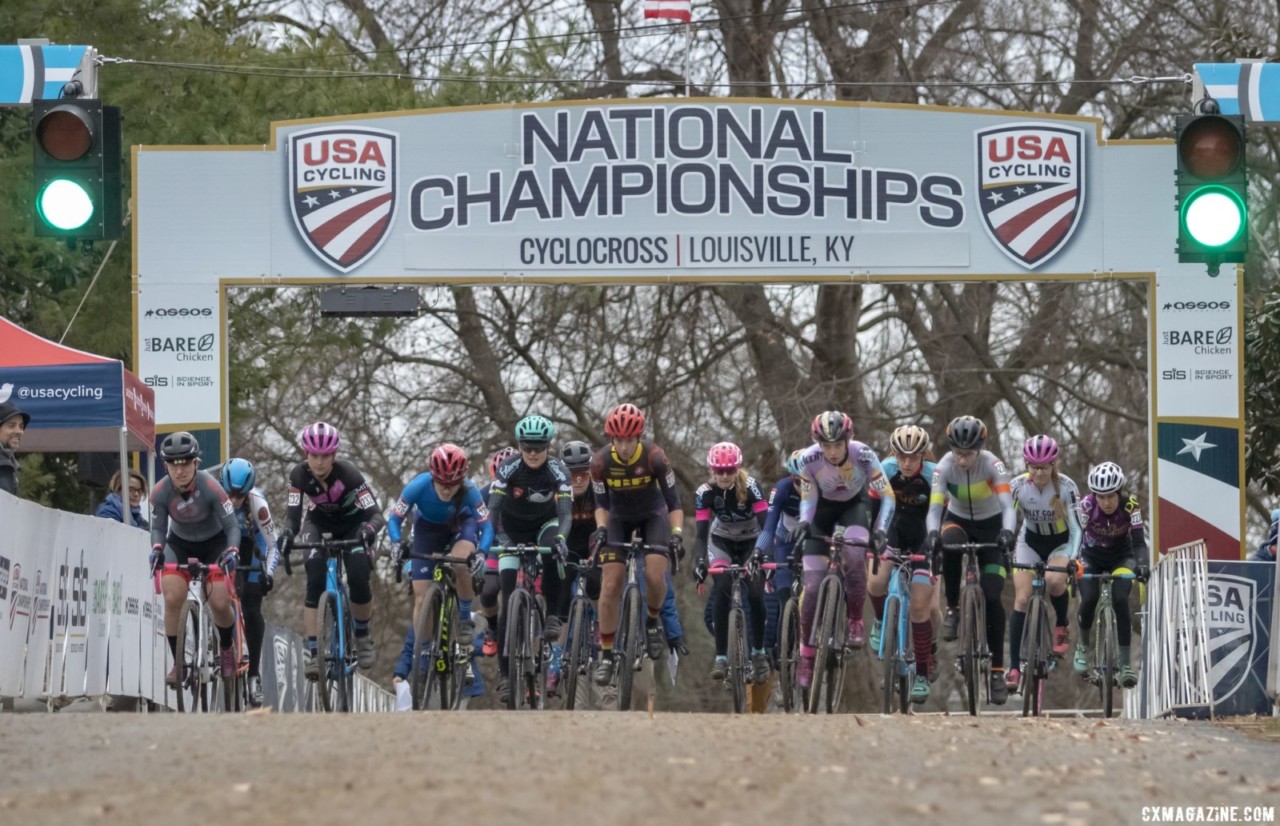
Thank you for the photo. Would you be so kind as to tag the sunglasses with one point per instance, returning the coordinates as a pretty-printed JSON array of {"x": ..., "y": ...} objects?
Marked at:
[
  {"x": 530, "y": 448},
  {"x": 179, "y": 462}
]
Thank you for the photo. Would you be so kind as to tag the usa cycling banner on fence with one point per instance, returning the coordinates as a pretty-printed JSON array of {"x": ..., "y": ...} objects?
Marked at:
[{"x": 1239, "y": 620}]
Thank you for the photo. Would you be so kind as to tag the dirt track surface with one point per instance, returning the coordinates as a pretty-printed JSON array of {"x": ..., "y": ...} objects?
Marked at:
[{"x": 563, "y": 768}]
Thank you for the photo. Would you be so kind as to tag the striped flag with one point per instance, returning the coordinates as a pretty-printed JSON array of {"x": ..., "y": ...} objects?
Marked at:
[
  {"x": 1249, "y": 89},
  {"x": 35, "y": 72},
  {"x": 669, "y": 9}
]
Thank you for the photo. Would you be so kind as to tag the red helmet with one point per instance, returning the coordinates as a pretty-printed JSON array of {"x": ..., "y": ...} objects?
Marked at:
[
  {"x": 449, "y": 464},
  {"x": 498, "y": 457},
  {"x": 724, "y": 456},
  {"x": 626, "y": 421}
]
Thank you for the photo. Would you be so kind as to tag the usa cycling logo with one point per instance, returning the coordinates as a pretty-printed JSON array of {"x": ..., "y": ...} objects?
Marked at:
[
  {"x": 1031, "y": 188},
  {"x": 1232, "y": 632},
  {"x": 342, "y": 191}
]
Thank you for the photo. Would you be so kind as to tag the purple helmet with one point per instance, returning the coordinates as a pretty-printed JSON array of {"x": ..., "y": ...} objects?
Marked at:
[
  {"x": 319, "y": 437},
  {"x": 1040, "y": 450}
]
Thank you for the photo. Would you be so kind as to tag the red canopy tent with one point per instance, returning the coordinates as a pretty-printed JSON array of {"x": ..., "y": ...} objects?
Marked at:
[{"x": 77, "y": 401}]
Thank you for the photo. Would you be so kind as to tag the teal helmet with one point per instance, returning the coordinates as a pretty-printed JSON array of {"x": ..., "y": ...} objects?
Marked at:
[
  {"x": 794, "y": 463},
  {"x": 535, "y": 430}
]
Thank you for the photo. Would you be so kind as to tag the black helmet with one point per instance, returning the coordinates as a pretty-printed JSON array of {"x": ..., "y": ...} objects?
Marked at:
[
  {"x": 576, "y": 455},
  {"x": 966, "y": 433},
  {"x": 180, "y": 445}
]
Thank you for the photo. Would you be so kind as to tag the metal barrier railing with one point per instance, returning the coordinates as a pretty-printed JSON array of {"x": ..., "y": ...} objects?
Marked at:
[{"x": 1175, "y": 676}]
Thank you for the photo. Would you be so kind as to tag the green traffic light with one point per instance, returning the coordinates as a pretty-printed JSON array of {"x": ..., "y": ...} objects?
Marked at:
[
  {"x": 65, "y": 205},
  {"x": 1213, "y": 216}
]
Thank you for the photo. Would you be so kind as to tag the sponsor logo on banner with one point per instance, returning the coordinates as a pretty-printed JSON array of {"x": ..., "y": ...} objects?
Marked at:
[
  {"x": 283, "y": 659},
  {"x": 19, "y": 599},
  {"x": 1031, "y": 188},
  {"x": 179, "y": 312},
  {"x": 43, "y": 604},
  {"x": 1180, "y": 306},
  {"x": 184, "y": 348},
  {"x": 342, "y": 191},
  {"x": 4, "y": 577},
  {"x": 1231, "y": 632},
  {"x": 1219, "y": 339}
]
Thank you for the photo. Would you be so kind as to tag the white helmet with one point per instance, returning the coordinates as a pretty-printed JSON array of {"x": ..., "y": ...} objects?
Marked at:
[{"x": 1106, "y": 478}]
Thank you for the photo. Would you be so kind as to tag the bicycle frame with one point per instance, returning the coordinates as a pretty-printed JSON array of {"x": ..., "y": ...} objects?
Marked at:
[
  {"x": 201, "y": 680},
  {"x": 900, "y": 666},
  {"x": 339, "y": 661},
  {"x": 1106, "y": 643},
  {"x": 974, "y": 659},
  {"x": 525, "y": 649},
  {"x": 630, "y": 633},
  {"x": 740, "y": 672},
  {"x": 580, "y": 638},
  {"x": 1036, "y": 651},
  {"x": 435, "y": 656},
  {"x": 829, "y": 633}
]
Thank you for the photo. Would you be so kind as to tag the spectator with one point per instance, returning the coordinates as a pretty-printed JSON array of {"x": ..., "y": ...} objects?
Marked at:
[
  {"x": 1267, "y": 550},
  {"x": 12, "y": 423},
  {"x": 113, "y": 506}
]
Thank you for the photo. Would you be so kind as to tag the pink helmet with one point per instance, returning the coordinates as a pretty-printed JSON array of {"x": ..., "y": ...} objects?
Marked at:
[
  {"x": 319, "y": 437},
  {"x": 498, "y": 457},
  {"x": 1040, "y": 450},
  {"x": 448, "y": 464},
  {"x": 724, "y": 456}
]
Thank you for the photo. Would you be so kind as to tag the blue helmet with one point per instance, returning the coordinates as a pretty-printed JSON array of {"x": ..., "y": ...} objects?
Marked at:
[{"x": 238, "y": 477}]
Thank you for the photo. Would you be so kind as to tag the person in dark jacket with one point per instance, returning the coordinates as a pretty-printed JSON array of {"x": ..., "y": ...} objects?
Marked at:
[
  {"x": 113, "y": 506},
  {"x": 12, "y": 424}
]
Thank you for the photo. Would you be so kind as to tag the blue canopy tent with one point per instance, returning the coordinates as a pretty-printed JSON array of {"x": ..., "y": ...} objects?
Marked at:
[{"x": 77, "y": 401}]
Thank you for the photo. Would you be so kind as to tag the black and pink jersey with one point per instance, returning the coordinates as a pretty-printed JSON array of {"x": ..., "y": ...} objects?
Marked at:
[{"x": 338, "y": 504}]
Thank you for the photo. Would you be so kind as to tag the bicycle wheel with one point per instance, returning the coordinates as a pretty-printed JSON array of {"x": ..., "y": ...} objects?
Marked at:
[
  {"x": 188, "y": 657},
  {"x": 219, "y": 692},
  {"x": 331, "y": 685},
  {"x": 1032, "y": 655},
  {"x": 539, "y": 656},
  {"x": 517, "y": 639},
  {"x": 577, "y": 654},
  {"x": 1108, "y": 655},
  {"x": 788, "y": 654},
  {"x": 737, "y": 675},
  {"x": 455, "y": 657},
  {"x": 422, "y": 669},
  {"x": 829, "y": 629},
  {"x": 890, "y": 658},
  {"x": 971, "y": 629},
  {"x": 627, "y": 644}
]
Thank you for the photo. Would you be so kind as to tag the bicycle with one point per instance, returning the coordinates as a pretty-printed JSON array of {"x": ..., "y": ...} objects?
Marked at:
[
  {"x": 830, "y": 627},
  {"x": 580, "y": 639},
  {"x": 335, "y": 688},
  {"x": 1106, "y": 642},
  {"x": 789, "y": 640},
  {"x": 629, "y": 643},
  {"x": 527, "y": 650},
  {"x": 974, "y": 659},
  {"x": 201, "y": 686},
  {"x": 439, "y": 669},
  {"x": 895, "y": 634},
  {"x": 1036, "y": 651},
  {"x": 740, "y": 672}
]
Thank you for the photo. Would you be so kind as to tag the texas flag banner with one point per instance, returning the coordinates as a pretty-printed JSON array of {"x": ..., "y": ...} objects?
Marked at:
[{"x": 669, "y": 9}]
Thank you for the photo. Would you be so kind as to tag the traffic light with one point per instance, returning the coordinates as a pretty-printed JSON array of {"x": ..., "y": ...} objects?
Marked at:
[
  {"x": 77, "y": 169},
  {"x": 1213, "y": 211}
]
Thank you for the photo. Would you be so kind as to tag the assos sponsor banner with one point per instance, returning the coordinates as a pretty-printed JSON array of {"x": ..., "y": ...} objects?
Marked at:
[
  {"x": 1197, "y": 347},
  {"x": 179, "y": 353}
]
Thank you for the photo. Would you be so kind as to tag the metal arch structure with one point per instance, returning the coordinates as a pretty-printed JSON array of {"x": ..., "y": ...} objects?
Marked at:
[{"x": 696, "y": 191}]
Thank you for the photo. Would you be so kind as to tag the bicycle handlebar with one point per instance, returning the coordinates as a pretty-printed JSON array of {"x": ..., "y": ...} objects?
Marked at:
[
  {"x": 970, "y": 546},
  {"x": 1054, "y": 569},
  {"x": 521, "y": 548},
  {"x": 330, "y": 545},
  {"x": 638, "y": 546},
  {"x": 1112, "y": 576}
]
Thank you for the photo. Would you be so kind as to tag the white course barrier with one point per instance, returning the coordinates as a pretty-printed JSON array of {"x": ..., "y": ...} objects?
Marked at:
[
  {"x": 1175, "y": 678},
  {"x": 1273, "y": 664},
  {"x": 79, "y": 616}
]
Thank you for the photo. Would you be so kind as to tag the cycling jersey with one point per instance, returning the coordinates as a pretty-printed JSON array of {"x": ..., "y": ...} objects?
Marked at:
[
  {"x": 1050, "y": 517},
  {"x": 198, "y": 515},
  {"x": 910, "y": 493},
  {"x": 636, "y": 486},
  {"x": 783, "y": 514},
  {"x": 522, "y": 499},
  {"x": 1119, "y": 532},
  {"x": 338, "y": 504},
  {"x": 859, "y": 472},
  {"x": 584, "y": 523},
  {"x": 254, "y": 517},
  {"x": 724, "y": 515},
  {"x": 976, "y": 494},
  {"x": 465, "y": 510}
]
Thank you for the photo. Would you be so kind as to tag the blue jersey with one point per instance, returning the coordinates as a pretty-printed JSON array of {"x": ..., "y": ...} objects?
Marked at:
[
  {"x": 912, "y": 492},
  {"x": 784, "y": 512},
  {"x": 466, "y": 506}
]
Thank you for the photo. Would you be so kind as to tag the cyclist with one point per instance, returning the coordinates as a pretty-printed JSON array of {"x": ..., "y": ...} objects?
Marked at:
[
  {"x": 531, "y": 502},
  {"x": 970, "y": 501},
  {"x": 774, "y": 543},
  {"x": 254, "y": 572},
  {"x": 841, "y": 477},
  {"x": 489, "y": 594},
  {"x": 341, "y": 505},
  {"x": 192, "y": 518},
  {"x": 909, "y": 471},
  {"x": 451, "y": 518},
  {"x": 635, "y": 490},
  {"x": 1049, "y": 502},
  {"x": 730, "y": 511},
  {"x": 1113, "y": 543}
]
